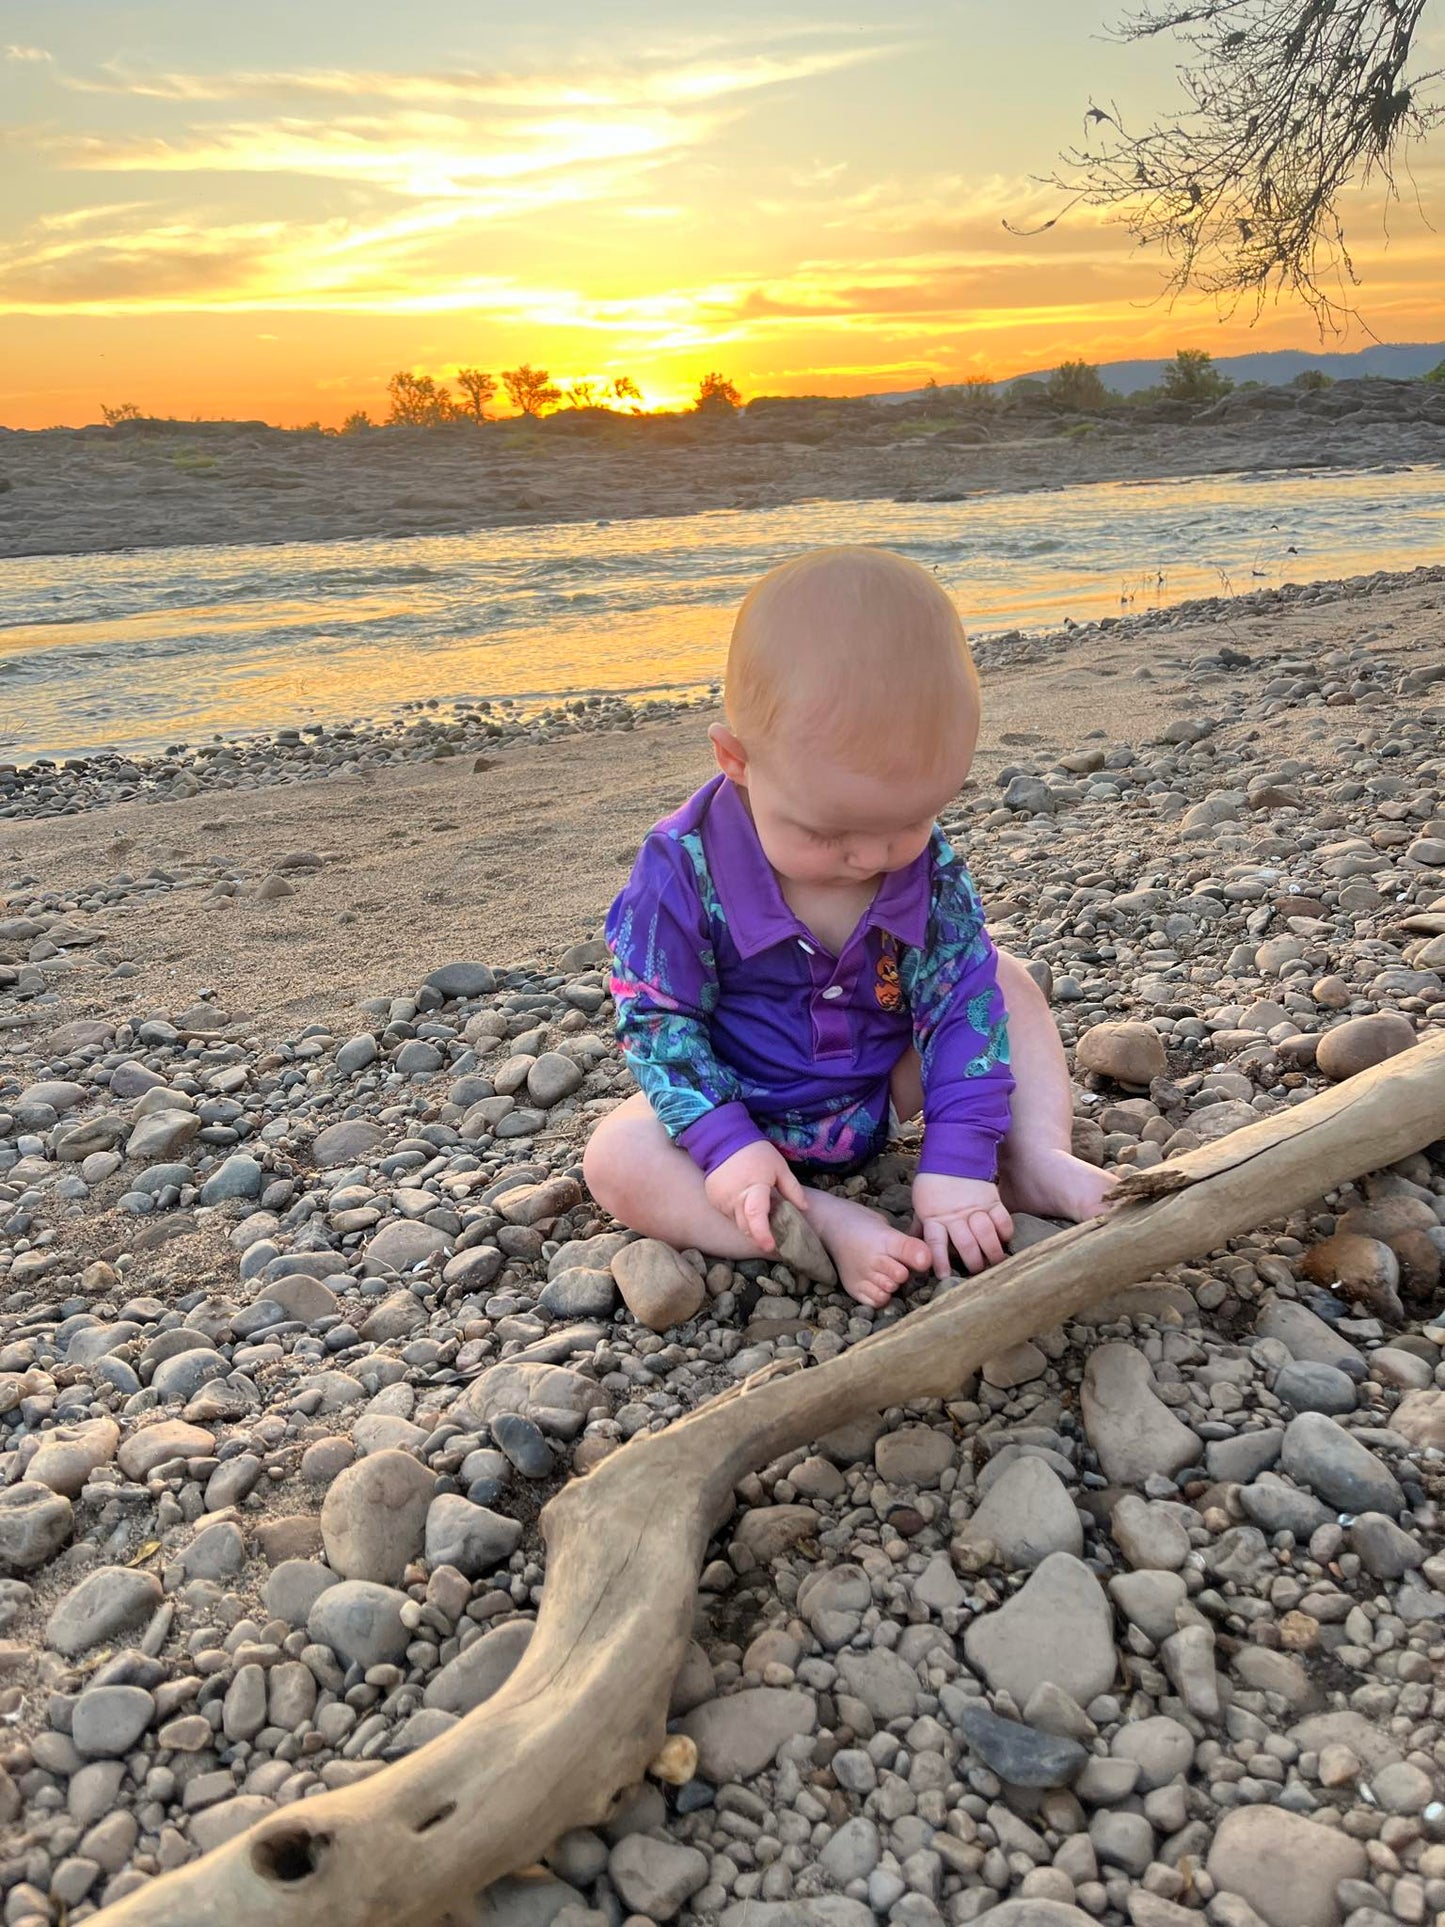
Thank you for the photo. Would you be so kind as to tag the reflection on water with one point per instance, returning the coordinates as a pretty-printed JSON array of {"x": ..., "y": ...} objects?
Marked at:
[{"x": 142, "y": 649}]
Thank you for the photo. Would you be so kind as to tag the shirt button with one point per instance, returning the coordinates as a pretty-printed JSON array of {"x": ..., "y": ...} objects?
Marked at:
[{"x": 833, "y": 990}]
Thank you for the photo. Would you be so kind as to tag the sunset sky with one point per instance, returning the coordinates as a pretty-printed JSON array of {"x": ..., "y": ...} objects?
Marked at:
[{"x": 266, "y": 211}]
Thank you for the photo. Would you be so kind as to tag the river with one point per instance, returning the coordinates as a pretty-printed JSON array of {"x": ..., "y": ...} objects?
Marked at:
[{"x": 141, "y": 649}]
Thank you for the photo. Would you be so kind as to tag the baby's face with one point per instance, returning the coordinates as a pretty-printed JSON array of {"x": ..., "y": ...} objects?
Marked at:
[{"x": 821, "y": 824}]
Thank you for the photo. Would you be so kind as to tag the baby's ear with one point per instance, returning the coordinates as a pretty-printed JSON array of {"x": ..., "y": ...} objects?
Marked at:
[{"x": 732, "y": 758}]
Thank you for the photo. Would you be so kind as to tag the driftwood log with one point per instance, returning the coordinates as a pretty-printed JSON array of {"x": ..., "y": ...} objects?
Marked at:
[{"x": 585, "y": 1712}]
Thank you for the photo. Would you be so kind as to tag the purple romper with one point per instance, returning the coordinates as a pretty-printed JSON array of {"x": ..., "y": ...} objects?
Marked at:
[{"x": 739, "y": 1025}]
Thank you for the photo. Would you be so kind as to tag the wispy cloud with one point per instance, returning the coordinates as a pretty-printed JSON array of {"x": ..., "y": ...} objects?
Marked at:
[
  {"x": 12, "y": 52},
  {"x": 425, "y": 158},
  {"x": 660, "y": 83},
  {"x": 153, "y": 268},
  {"x": 419, "y": 155}
]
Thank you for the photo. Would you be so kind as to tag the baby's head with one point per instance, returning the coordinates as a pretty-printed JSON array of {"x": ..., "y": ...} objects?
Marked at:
[{"x": 852, "y": 712}]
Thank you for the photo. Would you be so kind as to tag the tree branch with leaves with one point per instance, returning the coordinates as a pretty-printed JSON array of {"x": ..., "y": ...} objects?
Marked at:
[
  {"x": 479, "y": 388},
  {"x": 530, "y": 390},
  {"x": 1289, "y": 103}
]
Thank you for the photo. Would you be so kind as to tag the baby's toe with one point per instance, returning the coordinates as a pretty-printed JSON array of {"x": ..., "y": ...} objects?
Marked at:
[{"x": 911, "y": 1253}]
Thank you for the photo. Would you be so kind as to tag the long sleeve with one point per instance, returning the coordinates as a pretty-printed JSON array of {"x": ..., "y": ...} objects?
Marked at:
[
  {"x": 960, "y": 1028},
  {"x": 665, "y": 986}
]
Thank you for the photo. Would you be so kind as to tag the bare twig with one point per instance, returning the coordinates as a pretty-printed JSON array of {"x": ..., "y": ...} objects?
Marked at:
[{"x": 1289, "y": 103}]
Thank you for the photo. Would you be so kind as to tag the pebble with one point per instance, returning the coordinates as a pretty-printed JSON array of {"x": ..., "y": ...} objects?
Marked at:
[
  {"x": 480, "y": 1669},
  {"x": 106, "y": 1721},
  {"x": 1149, "y": 1535},
  {"x": 1323, "y": 1456},
  {"x": 1057, "y": 1628},
  {"x": 293, "y": 1588},
  {"x": 1285, "y": 1866},
  {"x": 658, "y": 1287},
  {"x": 1025, "y": 1516},
  {"x": 471, "y": 1538},
  {"x": 71, "y": 1453},
  {"x": 362, "y": 1622},
  {"x": 369, "y": 1241},
  {"x": 916, "y": 1455},
  {"x": 34, "y": 1524},
  {"x": 656, "y": 1877},
  {"x": 349, "y": 1142},
  {"x": 822, "y": 1910},
  {"x": 375, "y": 1515},
  {"x": 1309, "y": 1338},
  {"x": 579, "y": 1293},
  {"x": 1308, "y": 1387},
  {"x": 1358, "y": 1045},
  {"x": 1129, "y": 1054},
  {"x": 1018, "y": 1754},
  {"x": 737, "y": 1737},
  {"x": 1134, "y": 1435},
  {"x": 401, "y": 1246},
  {"x": 1419, "y": 1418},
  {"x": 104, "y": 1603},
  {"x": 1161, "y": 1747}
]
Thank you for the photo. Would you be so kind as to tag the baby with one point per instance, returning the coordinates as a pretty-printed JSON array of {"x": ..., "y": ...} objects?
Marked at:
[{"x": 799, "y": 951}]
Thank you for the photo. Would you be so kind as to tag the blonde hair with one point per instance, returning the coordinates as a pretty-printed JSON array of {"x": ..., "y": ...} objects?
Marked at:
[{"x": 859, "y": 650}]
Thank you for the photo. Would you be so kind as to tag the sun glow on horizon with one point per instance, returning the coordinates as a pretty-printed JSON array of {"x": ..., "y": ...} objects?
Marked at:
[{"x": 199, "y": 228}]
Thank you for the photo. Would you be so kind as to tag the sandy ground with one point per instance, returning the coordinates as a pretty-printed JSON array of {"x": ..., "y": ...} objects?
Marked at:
[
  {"x": 430, "y": 863},
  {"x": 70, "y": 491}
]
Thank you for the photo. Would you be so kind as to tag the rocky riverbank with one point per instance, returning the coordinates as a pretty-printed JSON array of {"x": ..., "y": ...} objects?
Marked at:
[
  {"x": 301, "y": 1321},
  {"x": 154, "y": 484}
]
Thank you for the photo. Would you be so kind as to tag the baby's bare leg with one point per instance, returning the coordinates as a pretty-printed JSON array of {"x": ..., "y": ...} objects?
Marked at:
[
  {"x": 637, "y": 1174},
  {"x": 1038, "y": 1171}
]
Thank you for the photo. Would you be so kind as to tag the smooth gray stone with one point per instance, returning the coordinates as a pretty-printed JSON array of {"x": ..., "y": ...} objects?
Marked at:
[
  {"x": 1345, "y": 1474},
  {"x": 361, "y": 1622},
  {"x": 1310, "y": 1387},
  {"x": 1019, "y": 1754}
]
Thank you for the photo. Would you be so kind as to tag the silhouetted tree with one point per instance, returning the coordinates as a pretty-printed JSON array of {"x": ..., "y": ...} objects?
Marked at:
[
  {"x": 624, "y": 388},
  {"x": 581, "y": 394},
  {"x": 419, "y": 401},
  {"x": 977, "y": 395},
  {"x": 716, "y": 395},
  {"x": 1288, "y": 103},
  {"x": 1192, "y": 376},
  {"x": 357, "y": 423},
  {"x": 530, "y": 390},
  {"x": 479, "y": 389},
  {"x": 125, "y": 411},
  {"x": 1077, "y": 385}
]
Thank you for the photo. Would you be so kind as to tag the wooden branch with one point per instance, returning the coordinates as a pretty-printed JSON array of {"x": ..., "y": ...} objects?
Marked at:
[{"x": 585, "y": 1711}]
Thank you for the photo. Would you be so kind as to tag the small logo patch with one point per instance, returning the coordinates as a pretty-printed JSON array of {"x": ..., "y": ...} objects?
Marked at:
[{"x": 887, "y": 989}]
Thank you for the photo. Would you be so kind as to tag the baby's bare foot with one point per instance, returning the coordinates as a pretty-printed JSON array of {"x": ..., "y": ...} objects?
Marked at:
[
  {"x": 873, "y": 1259},
  {"x": 1049, "y": 1183}
]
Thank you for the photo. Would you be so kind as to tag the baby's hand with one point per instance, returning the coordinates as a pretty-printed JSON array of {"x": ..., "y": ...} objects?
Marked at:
[
  {"x": 964, "y": 1213},
  {"x": 742, "y": 1188}
]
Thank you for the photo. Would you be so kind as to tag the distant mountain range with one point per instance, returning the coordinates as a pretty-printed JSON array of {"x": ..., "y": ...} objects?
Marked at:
[{"x": 1399, "y": 360}]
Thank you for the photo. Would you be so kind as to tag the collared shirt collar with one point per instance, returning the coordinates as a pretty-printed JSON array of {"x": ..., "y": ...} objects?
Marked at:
[{"x": 757, "y": 913}]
